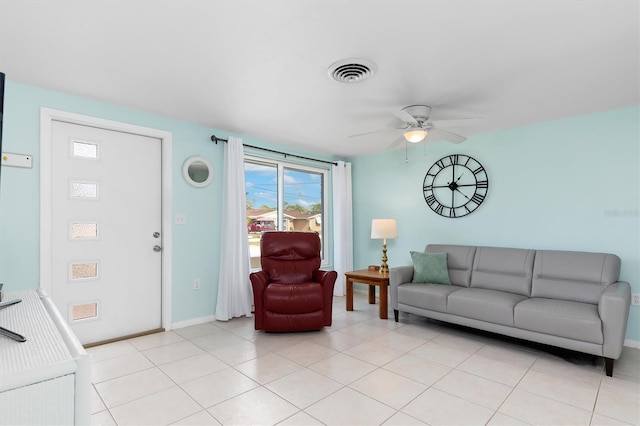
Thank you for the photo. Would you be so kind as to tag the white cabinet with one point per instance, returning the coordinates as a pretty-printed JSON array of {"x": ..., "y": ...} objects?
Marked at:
[{"x": 47, "y": 379}]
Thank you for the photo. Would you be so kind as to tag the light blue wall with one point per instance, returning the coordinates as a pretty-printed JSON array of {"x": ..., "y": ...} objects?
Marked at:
[
  {"x": 571, "y": 184},
  {"x": 196, "y": 245}
]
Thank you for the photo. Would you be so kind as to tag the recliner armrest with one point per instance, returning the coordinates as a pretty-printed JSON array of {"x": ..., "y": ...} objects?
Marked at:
[
  {"x": 328, "y": 280},
  {"x": 259, "y": 281},
  {"x": 323, "y": 277},
  {"x": 613, "y": 308},
  {"x": 398, "y": 275}
]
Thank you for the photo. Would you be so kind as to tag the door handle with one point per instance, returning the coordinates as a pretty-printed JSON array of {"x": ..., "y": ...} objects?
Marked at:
[{"x": 157, "y": 248}]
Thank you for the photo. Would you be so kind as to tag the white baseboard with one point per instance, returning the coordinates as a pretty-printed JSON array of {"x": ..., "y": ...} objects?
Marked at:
[
  {"x": 632, "y": 343},
  {"x": 194, "y": 321}
]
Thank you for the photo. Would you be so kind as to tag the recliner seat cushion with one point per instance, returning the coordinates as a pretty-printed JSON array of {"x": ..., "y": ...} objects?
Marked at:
[
  {"x": 484, "y": 305},
  {"x": 573, "y": 320},
  {"x": 293, "y": 298},
  {"x": 427, "y": 296}
]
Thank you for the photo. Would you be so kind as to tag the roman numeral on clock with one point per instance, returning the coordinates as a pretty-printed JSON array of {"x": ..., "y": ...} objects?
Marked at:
[{"x": 477, "y": 198}]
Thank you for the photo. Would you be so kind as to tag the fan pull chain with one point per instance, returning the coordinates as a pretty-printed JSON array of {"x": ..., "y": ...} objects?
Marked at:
[{"x": 406, "y": 149}]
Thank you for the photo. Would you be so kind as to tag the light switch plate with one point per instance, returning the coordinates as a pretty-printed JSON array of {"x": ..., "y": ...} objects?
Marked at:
[{"x": 17, "y": 160}]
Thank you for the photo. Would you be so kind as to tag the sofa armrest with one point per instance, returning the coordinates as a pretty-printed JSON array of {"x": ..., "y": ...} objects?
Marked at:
[
  {"x": 613, "y": 308},
  {"x": 398, "y": 275}
]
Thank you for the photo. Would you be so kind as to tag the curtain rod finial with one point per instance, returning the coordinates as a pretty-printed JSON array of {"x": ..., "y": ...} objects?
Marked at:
[{"x": 214, "y": 139}]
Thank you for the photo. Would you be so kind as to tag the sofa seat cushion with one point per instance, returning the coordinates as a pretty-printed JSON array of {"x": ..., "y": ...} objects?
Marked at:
[
  {"x": 299, "y": 298},
  {"x": 563, "y": 318},
  {"x": 484, "y": 305},
  {"x": 426, "y": 296}
]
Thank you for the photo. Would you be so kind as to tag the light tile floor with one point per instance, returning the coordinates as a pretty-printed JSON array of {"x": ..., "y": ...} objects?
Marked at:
[{"x": 362, "y": 370}]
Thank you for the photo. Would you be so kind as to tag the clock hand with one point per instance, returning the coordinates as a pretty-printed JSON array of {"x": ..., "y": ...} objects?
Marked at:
[{"x": 463, "y": 194}]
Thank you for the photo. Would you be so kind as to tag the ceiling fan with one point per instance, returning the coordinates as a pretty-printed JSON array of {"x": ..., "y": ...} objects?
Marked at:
[{"x": 416, "y": 126}]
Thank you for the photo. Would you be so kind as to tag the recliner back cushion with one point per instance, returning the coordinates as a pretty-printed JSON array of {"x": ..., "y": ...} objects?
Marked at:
[
  {"x": 503, "y": 269},
  {"x": 574, "y": 276},
  {"x": 290, "y": 257},
  {"x": 459, "y": 261}
]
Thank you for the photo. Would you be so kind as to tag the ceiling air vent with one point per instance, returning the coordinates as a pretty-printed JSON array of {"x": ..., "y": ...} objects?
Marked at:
[{"x": 351, "y": 70}]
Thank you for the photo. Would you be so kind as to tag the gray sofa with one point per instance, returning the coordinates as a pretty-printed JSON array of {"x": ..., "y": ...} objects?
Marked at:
[{"x": 567, "y": 299}]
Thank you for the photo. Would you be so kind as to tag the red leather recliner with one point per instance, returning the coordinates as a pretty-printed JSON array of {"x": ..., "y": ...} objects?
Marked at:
[{"x": 291, "y": 293}]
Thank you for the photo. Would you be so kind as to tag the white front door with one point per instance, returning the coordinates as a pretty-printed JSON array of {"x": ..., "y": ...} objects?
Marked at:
[{"x": 106, "y": 230}]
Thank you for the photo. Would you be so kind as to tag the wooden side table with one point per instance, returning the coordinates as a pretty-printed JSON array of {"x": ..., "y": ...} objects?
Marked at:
[{"x": 372, "y": 279}]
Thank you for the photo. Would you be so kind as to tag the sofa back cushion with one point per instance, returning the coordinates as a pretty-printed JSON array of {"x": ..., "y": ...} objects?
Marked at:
[
  {"x": 503, "y": 269},
  {"x": 459, "y": 261},
  {"x": 574, "y": 276}
]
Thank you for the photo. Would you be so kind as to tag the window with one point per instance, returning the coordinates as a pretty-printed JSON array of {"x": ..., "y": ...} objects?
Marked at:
[{"x": 285, "y": 197}]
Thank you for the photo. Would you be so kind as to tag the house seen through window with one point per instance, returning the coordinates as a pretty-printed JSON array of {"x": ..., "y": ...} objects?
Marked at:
[{"x": 283, "y": 197}]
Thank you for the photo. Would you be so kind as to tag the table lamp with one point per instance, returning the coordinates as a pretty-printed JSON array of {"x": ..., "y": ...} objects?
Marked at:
[{"x": 383, "y": 229}]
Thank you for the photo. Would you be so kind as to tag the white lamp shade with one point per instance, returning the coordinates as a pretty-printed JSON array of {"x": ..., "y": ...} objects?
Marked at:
[
  {"x": 383, "y": 229},
  {"x": 415, "y": 135}
]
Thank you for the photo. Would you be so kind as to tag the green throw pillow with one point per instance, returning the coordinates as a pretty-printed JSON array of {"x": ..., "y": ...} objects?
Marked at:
[{"x": 430, "y": 268}]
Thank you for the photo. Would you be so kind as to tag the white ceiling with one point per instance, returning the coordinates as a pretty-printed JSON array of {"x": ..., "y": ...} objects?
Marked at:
[{"x": 258, "y": 68}]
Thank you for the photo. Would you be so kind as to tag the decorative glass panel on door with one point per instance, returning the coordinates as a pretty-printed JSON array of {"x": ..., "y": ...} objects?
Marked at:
[
  {"x": 84, "y": 271},
  {"x": 84, "y": 190},
  {"x": 84, "y": 311},
  {"x": 85, "y": 150},
  {"x": 84, "y": 231}
]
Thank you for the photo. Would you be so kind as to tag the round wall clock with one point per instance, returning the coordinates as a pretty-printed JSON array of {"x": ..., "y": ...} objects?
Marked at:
[{"x": 455, "y": 185}]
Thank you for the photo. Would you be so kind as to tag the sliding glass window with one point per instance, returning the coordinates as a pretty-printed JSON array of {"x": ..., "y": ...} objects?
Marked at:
[{"x": 285, "y": 197}]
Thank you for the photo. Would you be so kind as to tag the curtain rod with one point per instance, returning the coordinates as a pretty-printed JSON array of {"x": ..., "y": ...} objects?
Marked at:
[{"x": 216, "y": 139}]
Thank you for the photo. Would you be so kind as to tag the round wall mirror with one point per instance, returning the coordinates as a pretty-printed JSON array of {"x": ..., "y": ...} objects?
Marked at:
[{"x": 197, "y": 172}]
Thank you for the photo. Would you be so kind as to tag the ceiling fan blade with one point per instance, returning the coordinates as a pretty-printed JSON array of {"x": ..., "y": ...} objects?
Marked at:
[
  {"x": 396, "y": 143},
  {"x": 405, "y": 116},
  {"x": 457, "y": 123},
  {"x": 440, "y": 134},
  {"x": 371, "y": 132}
]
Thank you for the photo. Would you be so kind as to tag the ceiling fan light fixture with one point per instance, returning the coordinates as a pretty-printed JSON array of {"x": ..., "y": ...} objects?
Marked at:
[{"x": 415, "y": 135}]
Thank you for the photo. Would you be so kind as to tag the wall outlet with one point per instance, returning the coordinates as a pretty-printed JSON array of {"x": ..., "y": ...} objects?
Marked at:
[
  {"x": 196, "y": 284},
  {"x": 180, "y": 219},
  {"x": 635, "y": 299}
]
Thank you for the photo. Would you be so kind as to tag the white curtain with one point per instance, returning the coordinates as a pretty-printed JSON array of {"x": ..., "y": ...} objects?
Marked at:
[
  {"x": 234, "y": 289},
  {"x": 342, "y": 224}
]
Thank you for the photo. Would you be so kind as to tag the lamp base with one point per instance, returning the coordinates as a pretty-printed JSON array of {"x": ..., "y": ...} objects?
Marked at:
[{"x": 384, "y": 268}]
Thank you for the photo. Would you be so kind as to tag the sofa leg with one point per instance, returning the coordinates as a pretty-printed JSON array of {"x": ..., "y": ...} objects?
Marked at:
[
  {"x": 395, "y": 314},
  {"x": 608, "y": 366}
]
